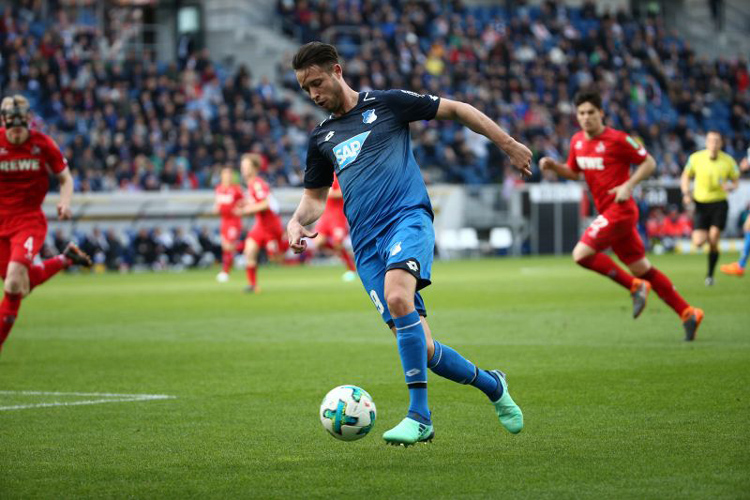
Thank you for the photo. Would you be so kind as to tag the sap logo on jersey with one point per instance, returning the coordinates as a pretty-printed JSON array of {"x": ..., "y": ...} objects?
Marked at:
[
  {"x": 587, "y": 163},
  {"x": 346, "y": 152}
]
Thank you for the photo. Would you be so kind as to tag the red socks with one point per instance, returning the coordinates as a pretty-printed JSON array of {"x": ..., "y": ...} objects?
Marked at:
[
  {"x": 38, "y": 274},
  {"x": 251, "y": 275},
  {"x": 665, "y": 289},
  {"x": 348, "y": 262},
  {"x": 8, "y": 311},
  {"x": 604, "y": 265},
  {"x": 226, "y": 261}
]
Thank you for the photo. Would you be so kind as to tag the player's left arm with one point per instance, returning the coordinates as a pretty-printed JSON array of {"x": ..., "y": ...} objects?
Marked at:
[
  {"x": 254, "y": 208},
  {"x": 58, "y": 165},
  {"x": 66, "y": 194},
  {"x": 624, "y": 191},
  {"x": 468, "y": 115},
  {"x": 734, "y": 178}
]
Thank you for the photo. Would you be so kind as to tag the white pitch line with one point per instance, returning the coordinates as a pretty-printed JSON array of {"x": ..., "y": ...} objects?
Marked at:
[
  {"x": 110, "y": 398},
  {"x": 101, "y": 394}
]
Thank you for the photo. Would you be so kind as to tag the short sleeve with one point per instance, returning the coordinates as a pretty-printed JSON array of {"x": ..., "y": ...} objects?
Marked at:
[
  {"x": 633, "y": 151},
  {"x": 319, "y": 169},
  {"x": 411, "y": 107},
  {"x": 54, "y": 157},
  {"x": 260, "y": 190},
  {"x": 572, "y": 163}
]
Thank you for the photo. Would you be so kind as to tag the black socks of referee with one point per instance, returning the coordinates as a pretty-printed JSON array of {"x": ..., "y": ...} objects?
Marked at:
[{"x": 713, "y": 258}]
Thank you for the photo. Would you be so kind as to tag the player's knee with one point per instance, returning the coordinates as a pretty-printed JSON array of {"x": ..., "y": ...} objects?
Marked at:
[
  {"x": 399, "y": 302},
  {"x": 430, "y": 348}
]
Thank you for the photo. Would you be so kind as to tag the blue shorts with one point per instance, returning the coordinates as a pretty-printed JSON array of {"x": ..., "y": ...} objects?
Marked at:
[{"x": 408, "y": 244}]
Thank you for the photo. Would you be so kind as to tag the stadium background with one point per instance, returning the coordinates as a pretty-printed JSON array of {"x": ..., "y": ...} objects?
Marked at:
[
  {"x": 149, "y": 99},
  {"x": 615, "y": 408}
]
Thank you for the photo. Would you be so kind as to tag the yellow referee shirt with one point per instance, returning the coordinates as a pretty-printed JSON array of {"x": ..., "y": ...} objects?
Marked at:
[{"x": 710, "y": 175}]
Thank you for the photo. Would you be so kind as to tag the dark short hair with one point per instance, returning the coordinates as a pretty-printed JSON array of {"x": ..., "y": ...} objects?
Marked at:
[
  {"x": 590, "y": 96},
  {"x": 315, "y": 54}
]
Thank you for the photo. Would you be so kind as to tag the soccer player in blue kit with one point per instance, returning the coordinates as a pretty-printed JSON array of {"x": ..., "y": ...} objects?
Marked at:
[{"x": 366, "y": 142}]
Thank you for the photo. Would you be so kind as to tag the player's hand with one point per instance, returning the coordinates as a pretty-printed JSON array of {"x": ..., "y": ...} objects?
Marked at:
[
  {"x": 745, "y": 164},
  {"x": 297, "y": 233},
  {"x": 622, "y": 192},
  {"x": 686, "y": 200},
  {"x": 547, "y": 163},
  {"x": 63, "y": 211},
  {"x": 520, "y": 157}
]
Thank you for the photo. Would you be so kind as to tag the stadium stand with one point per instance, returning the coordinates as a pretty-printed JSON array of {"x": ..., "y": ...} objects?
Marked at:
[
  {"x": 523, "y": 67},
  {"x": 133, "y": 123},
  {"x": 129, "y": 122}
]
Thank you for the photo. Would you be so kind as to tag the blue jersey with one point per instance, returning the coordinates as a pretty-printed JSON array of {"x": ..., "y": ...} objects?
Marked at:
[{"x": 369, "y": 148}]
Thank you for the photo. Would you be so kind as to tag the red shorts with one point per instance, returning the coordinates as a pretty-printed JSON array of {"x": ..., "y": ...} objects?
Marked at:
[
  {"x": 231, "y": 230},
  {"x": 21, "y": 238},
  {"x": 334, "y": 231},
  {"x": 269, "y": 238},
  {"x": 619, "y": 234}
]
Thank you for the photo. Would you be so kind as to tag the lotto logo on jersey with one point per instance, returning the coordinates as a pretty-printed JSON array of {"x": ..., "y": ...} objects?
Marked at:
[
  {"x": 346, "y": 152},
  {"x": 587, "y": 163},
  {"x": 19, "y": 165}
]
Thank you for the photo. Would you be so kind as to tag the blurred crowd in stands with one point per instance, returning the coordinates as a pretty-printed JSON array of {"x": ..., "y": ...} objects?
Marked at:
[
  {"x": 146, "y": 248},
  {"x": 522, "y": 68},
  {"x": 126, "y": 121}
]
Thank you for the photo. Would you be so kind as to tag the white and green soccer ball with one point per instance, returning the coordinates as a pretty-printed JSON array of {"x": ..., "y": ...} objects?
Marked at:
[{"x": 348, "y": 412}]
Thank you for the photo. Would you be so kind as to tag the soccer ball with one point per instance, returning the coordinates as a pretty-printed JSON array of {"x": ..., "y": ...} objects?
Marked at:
[{"x": 348, "y": 413}]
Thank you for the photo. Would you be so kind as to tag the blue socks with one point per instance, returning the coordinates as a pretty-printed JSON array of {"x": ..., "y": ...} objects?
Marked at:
[
  {"x": 412, "y": 347},
  {"x": 451, "y": 365},
  {"x": 745, "y": 251}
]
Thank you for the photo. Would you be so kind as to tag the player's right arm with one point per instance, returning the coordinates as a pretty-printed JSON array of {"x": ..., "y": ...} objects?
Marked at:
[
  {"x": 310, "y": 208},
  {"x": 562, "y": 170},
  {"x": 318, "y": 180},
  {"x": 687, "y": 173}
]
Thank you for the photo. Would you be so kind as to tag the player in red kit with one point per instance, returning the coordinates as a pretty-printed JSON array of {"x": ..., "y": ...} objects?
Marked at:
[
  {"x": 267, "y": 232},
  {"x": 229, "y": 201},
  {"x": 27, "y": 157},
  {"x": 333, "y": 229},
  {"x": 605, "y": 155}
]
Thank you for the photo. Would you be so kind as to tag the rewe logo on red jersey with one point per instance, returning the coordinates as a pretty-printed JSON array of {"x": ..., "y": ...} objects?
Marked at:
[
  {"x": 31, "y": 164},
  {"x": 589, "y": 163}
]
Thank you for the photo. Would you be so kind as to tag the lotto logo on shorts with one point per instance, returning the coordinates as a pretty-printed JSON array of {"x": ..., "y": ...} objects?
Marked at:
[{"x": 346, "y": 152}]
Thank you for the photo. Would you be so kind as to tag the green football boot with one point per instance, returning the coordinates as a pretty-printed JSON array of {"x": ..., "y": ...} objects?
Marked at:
[
  {"x": 409, "y": 432},
  {"x": 507, "y": 410}
]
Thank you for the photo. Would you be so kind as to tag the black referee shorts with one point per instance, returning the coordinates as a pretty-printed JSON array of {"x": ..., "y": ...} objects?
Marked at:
[{"x": 711, "y": 214}]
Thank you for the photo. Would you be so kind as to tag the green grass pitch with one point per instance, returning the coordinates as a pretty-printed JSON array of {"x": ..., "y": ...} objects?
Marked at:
[{"x": 614, "y": 408}]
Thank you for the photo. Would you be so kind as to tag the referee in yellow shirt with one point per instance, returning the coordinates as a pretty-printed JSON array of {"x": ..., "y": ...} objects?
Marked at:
[{"x": 716, "y": 174}]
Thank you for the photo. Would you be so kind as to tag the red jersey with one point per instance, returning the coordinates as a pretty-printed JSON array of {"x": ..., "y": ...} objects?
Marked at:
[
  {"x": 24, "y": 172},
  {"x": 227, "y": 200},
  {"x": 334, "y": 211},
  {"x": 259, "y": 190},
  {"x": 605, "y": 161}
]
